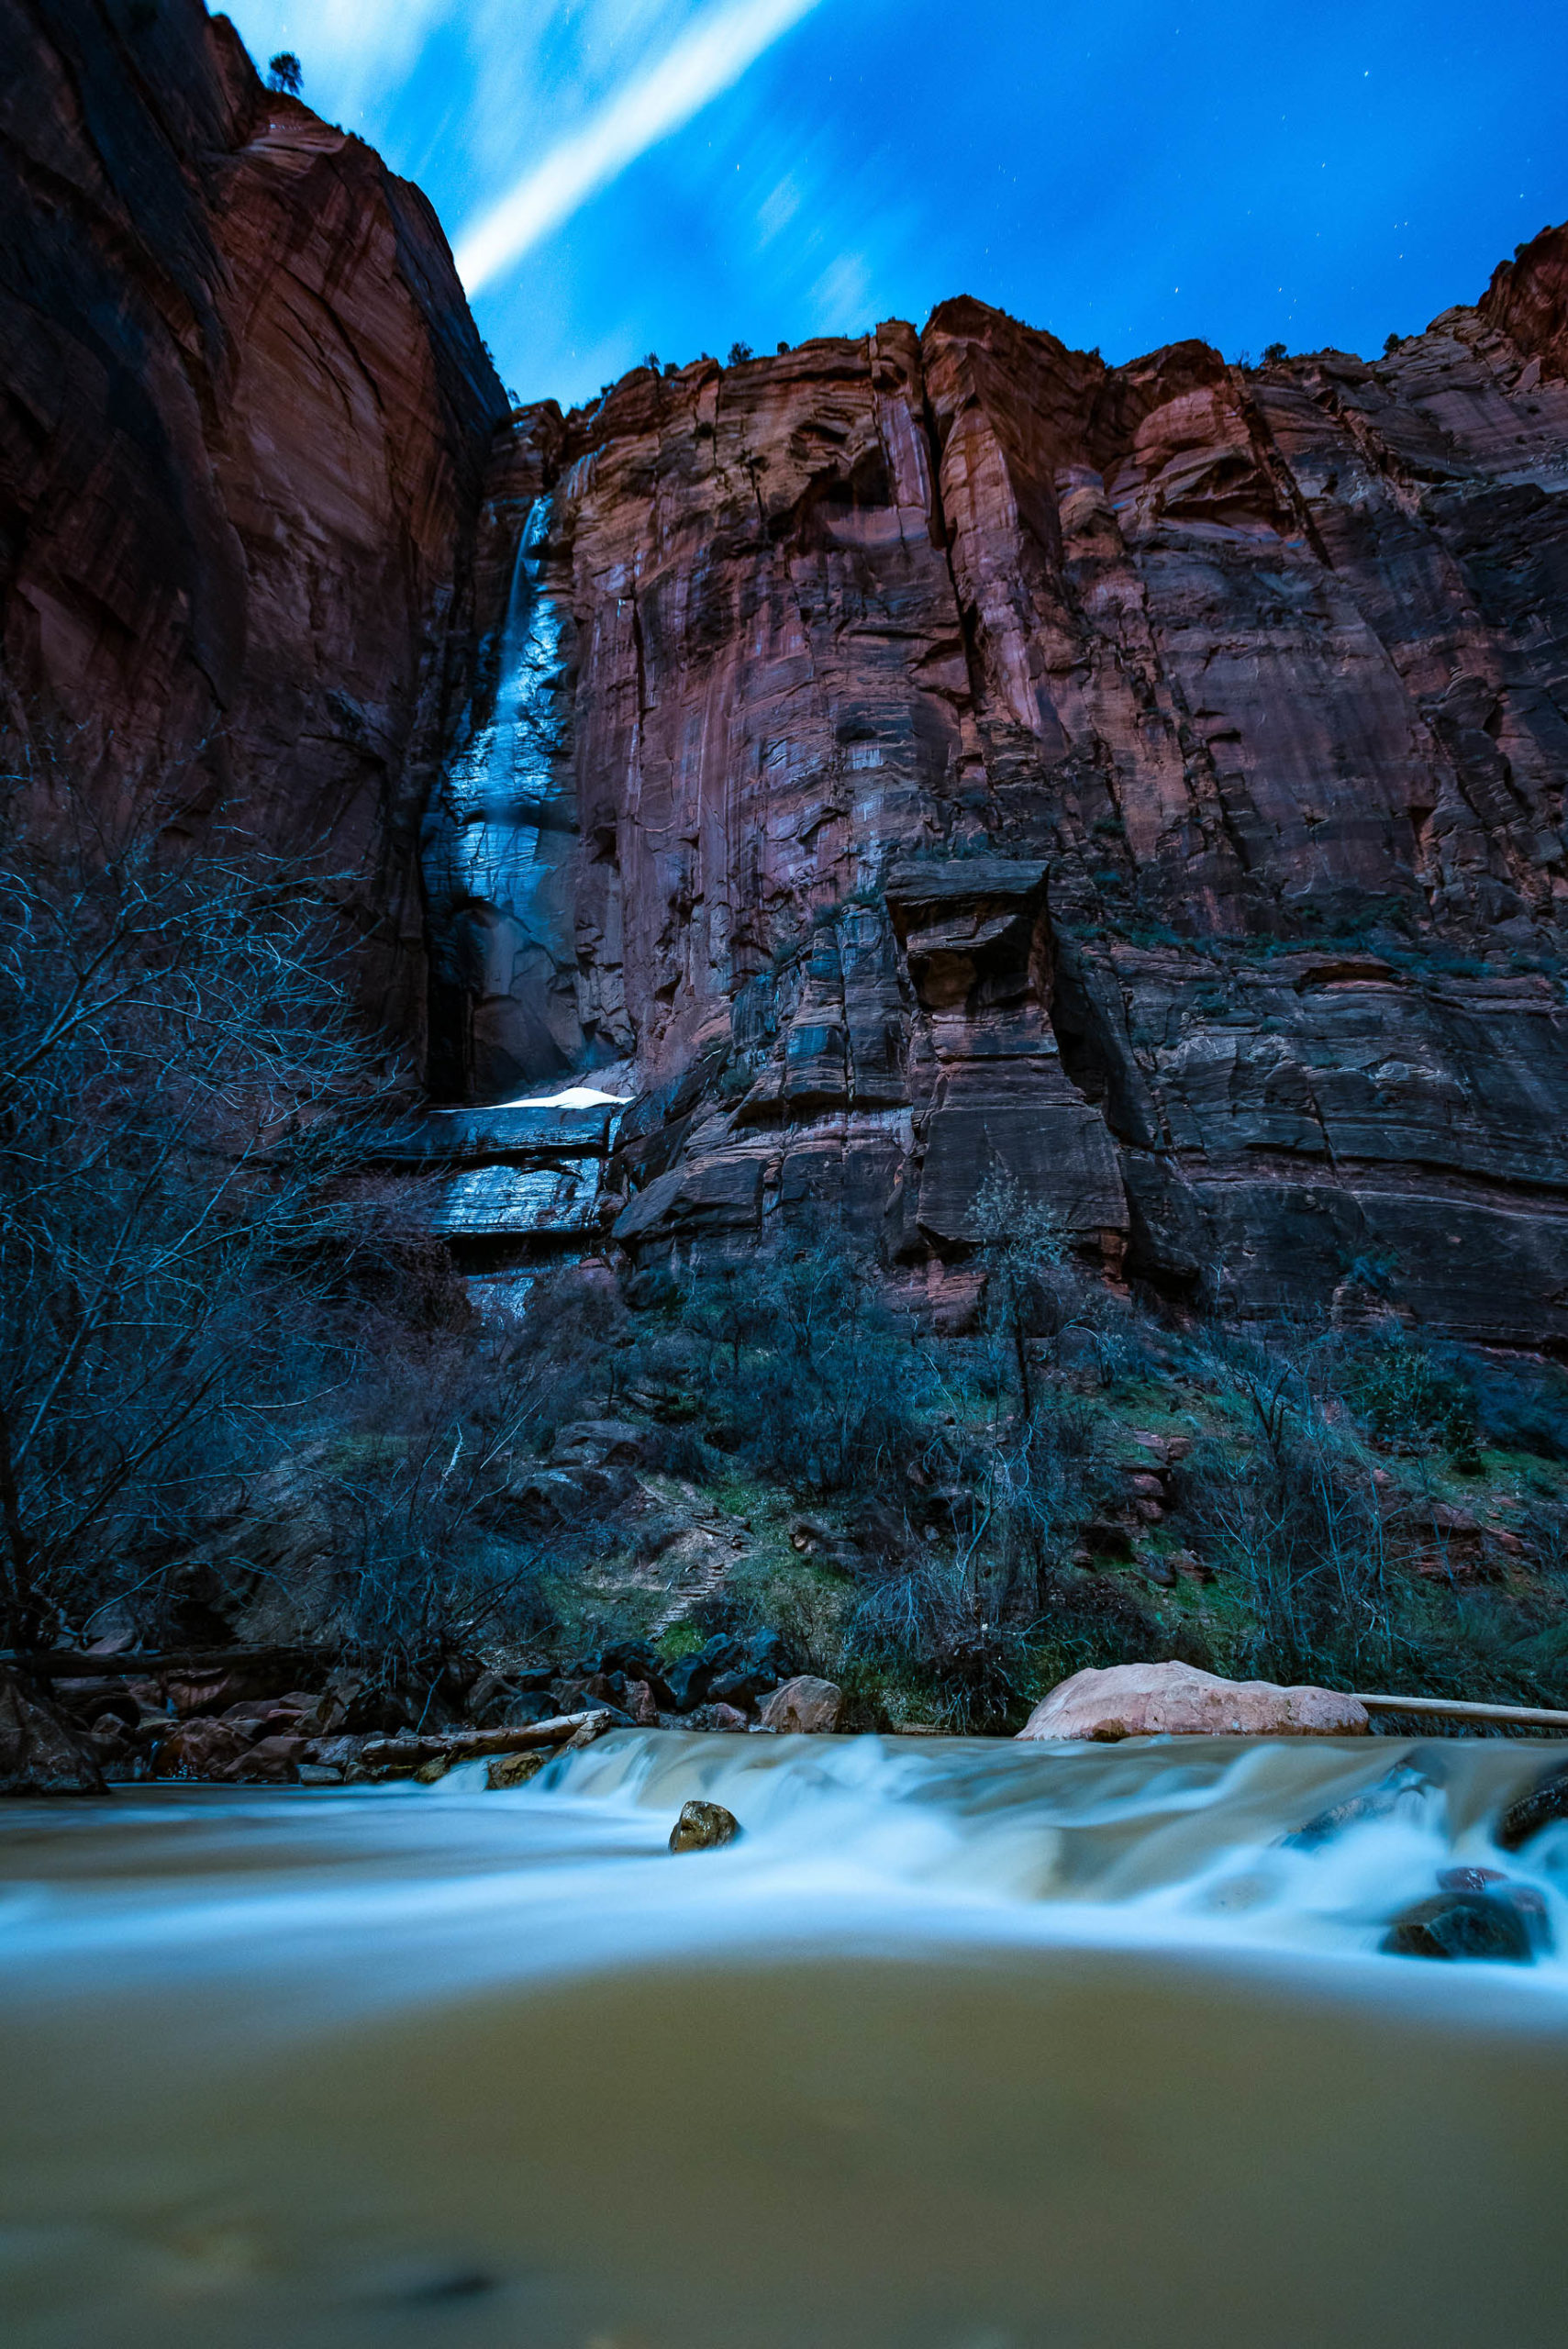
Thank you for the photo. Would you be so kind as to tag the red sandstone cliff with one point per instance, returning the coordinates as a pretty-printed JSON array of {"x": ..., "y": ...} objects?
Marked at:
[
  {"x": 244, "y": 420},
  {"x": 1146, "y": 781},
  {"x": 903, "y": 759}
]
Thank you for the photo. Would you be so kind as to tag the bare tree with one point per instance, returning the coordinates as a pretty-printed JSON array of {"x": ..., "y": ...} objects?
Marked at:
[
  {"x": 1021, "y": 1242},
  {"x": 181, "y": 1081},
  {"x": 438, "y": 1547},
  {"x": 1294, "y": 1516}
]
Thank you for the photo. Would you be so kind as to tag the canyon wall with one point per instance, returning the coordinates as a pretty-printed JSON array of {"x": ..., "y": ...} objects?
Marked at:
[
  {"x": 916, "y": 772},
  {"x": 1142, "y": 785},
  {"x": 244, "y": 422}
]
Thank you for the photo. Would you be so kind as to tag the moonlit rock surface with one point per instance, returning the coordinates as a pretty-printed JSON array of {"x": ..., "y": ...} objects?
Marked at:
[{"x": 1178, "y": 1700}]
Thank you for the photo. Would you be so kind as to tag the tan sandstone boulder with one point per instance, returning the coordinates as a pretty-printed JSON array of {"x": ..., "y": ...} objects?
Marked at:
[
  {"x": 803, "y": 1703},
  {"x": 1178, "y": 1700}
]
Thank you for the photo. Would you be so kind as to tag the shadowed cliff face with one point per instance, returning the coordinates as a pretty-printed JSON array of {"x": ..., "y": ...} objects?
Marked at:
[
  {"x": 1144, "y": 782},
  {"x": 245, "y": 418}
]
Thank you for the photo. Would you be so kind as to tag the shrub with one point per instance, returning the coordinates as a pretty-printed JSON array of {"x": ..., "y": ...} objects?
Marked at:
[
  {"x": 1407, "y": 1397},
  {"x": 1517, "y": 1410},
  {"x": 1035, "y": 1485},
  {"x": 1482, "y": 1645},
  {"x": 1085, "y": 1622},
  {"x": 929, "y": 1625},
  {"x": 1021, "y": 1242},
  {"x": 1292, "y": 1516},
  {"x": 812, "y": 1377}
]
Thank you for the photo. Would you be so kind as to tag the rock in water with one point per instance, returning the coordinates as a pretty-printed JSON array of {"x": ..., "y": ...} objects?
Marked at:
[
  {"x": 1469, "y": 1879},
  {"x": 1546, "y": 1801},
  {"x": 39, "y": 1754},
  {"x": 1404, "y": 1789},
  {"x": 703, "y": 1827},
  {"x": 514, "y": 1769},
  {"x": 1178, "y": 1700},
  {"x": 804, "y": 1704},
  {"x": 1509, "y": 1926}
]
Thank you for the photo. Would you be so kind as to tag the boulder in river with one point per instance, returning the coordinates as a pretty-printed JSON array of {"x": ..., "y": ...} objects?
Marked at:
[
  {"x": 703, "y": 1827},
  {"x": 514, "y": 1769},
  {"x": 1178, "y": 1700},
  {"x": 1546, "y": 1801},
  {"x": 1506, "y": 1923},
  {"x": 803, "y": 1703},
  {"x": 1402, "y": 1790}
]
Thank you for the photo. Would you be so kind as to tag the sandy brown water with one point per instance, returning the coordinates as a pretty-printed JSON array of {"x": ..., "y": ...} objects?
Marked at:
[{"x": 963, "y": 2046}]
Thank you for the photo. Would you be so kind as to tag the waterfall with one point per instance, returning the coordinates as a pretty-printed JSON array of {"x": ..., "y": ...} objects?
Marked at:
[{"x": 495, "y": 843}]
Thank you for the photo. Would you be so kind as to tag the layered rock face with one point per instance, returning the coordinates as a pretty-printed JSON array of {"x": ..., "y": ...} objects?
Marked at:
[
  {"x": 896, "y": 764},
  {"x": 245, "y": 421},
  {"x": 1143, "y": 783}
]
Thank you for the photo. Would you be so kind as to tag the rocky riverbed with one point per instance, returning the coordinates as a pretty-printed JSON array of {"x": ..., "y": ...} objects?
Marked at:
[{"x": 222, "y": 1722}]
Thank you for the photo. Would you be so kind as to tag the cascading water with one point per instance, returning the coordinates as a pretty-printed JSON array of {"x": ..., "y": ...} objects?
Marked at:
[
  {"x": 959, "y": 2045},
  {"x": 495, "y": 847}
]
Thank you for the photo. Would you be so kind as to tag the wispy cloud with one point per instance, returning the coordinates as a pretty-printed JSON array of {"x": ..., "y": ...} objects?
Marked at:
[{"x": 706, "y": 59}]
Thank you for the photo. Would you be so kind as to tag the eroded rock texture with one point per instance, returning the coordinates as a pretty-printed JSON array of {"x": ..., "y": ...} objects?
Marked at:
[
  {"x": 896, "y": 763},
  {"x": 242, "y": 437},
  {"x": 1145, "y": 781}
]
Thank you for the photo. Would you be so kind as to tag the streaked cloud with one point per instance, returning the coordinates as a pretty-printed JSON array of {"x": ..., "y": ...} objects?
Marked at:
[
  {"x": 843, "y": 296},
  {"x": 807, "y": 169},
  {"x": 709, "y": 58}
]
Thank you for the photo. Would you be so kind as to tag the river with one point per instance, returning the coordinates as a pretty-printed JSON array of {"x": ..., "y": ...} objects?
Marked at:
[{"x": 964, "y": 2046}]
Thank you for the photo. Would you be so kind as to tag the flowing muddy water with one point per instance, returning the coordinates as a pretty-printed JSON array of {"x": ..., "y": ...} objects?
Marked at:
[{"x": 962, "y": 2047}]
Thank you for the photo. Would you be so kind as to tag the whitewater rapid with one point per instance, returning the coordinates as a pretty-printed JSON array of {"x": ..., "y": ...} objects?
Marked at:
[{"x": 961, "y": 2042}]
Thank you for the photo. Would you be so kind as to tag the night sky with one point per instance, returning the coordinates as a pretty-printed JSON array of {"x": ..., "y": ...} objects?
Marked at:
[{"x": 619, "y": 176}]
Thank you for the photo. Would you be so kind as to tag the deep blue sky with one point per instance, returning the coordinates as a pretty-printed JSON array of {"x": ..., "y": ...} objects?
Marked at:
[{"x": 1125, "y": 176}]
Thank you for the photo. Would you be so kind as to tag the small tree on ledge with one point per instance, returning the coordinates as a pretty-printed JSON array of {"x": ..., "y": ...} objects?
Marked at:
[{"x": 285, "y": 72}]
